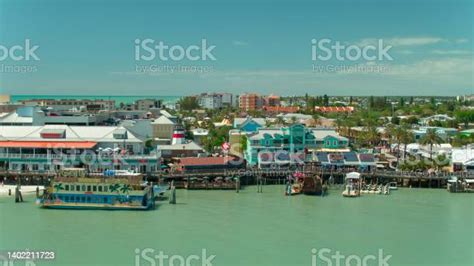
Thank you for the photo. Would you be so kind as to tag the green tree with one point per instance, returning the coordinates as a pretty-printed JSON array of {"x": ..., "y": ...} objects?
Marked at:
[
  {"x": 431, "y": 138},
  {"x": 188, "y": 103},
  {"x": 465, "y": 117}
]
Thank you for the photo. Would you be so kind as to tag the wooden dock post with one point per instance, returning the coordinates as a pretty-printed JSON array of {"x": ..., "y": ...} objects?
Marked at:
[
  {"x": 18, "y": 196},
  {"x": 37, "y": 192},
  {"x": 237, "y": 184},
  {"x": 173, "y": 193},
  {"x": 259, "y": 184}
]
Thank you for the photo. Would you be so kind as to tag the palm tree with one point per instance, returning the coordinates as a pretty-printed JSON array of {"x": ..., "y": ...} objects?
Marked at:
[
  {"x": 114, "y": 188},
  {"x": 58, "y": 187},
  {"x": 406, "y": 138},
  {"x": 431, "y": 138},
  {"x": 372, "y": 136},
  {"x": 125, "y": 189},
  {"x": 390, "y": 134}
]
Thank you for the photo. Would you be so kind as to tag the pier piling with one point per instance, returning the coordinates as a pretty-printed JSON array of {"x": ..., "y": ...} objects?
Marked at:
[
  {"x": 173, "y": 195},
  {"x": 18, "y": 196}
]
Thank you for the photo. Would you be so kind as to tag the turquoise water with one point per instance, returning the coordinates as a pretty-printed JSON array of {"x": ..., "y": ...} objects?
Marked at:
[
  {"x": 118, "y": 99},
  {"x": 415, "y": 226}
]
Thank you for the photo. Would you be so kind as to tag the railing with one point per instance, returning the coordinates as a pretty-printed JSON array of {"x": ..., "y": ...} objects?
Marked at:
[{"x": 77, "y": 156}]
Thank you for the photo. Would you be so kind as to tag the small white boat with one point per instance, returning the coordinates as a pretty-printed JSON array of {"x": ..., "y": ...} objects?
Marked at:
[
  {"x": 352, "y": 185},
  {"x": 393, "y": 186}
]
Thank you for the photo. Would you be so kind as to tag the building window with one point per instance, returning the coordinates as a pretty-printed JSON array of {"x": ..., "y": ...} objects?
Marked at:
[
  {"x": 66, "y": 187},
  {"x": 78, "y": 188},
  {"x": 89, "y": 188},
  {"x": 100, "y": 188},
  {"x": 35, "y": 167},
  {"x": 94, "y": 188},
  {"x": 106, "y": 188}
]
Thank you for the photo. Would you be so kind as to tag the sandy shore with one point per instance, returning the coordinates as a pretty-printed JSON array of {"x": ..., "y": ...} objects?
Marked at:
[{"x": 24, "y": 189}]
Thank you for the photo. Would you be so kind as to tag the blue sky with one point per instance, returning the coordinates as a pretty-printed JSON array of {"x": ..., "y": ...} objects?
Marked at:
[{"x": 87, "y": 47}]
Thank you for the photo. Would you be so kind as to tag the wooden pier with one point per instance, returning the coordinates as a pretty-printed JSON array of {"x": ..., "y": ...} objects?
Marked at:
[{"x": 265, "y": 176}]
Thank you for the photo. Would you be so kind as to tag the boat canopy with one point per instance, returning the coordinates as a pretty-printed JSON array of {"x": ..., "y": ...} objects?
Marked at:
[
  {"x": 353, "y": 175},
  {"x": 469, "y": 181}
]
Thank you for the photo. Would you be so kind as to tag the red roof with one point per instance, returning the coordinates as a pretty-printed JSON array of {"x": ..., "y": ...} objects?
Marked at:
[
  {"x": 281, "y": 109},
  {"x": 48, "y": 144},
  {"x": 192, "y": 161},
  {"x": 334, "y": 109}
]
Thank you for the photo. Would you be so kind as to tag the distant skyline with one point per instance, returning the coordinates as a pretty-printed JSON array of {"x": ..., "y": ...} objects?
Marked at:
[{"x": 88, "y": 47}]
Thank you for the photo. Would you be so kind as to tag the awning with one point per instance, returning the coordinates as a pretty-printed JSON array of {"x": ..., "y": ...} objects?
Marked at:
[{"x": 48, "y": 144}]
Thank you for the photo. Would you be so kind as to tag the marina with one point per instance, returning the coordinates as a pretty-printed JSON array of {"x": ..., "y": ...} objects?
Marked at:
[{"x": 230, "y": 224}]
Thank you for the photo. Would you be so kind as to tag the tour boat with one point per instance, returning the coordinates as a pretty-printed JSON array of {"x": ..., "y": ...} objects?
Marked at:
[
  {"x": 352, "y": 188},
  {"x": 74, "y": 189}
]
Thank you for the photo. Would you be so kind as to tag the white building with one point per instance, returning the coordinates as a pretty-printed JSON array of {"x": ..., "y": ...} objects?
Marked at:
[{"x": 52, "y": 147}]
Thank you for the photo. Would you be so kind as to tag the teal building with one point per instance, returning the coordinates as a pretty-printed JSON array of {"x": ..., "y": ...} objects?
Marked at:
[{"x": 280, "y": 146}]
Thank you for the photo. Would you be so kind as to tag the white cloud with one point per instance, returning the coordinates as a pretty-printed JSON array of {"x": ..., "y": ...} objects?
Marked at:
[
  {"x": 239, "y": 43},
  {"x": 451, "y": 52},
  {"x": 401, "y": 41}
]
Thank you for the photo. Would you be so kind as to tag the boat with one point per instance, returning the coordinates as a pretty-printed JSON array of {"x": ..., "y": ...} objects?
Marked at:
[
  {"x": 312, "y": 185},
  {"x": 456, "y": 185},
  {"x": 294, "y": 189},
  {"x": 76, "y": 189},
  {"x": 393, "y": 186},
  {"x": 353, "y": 185}
]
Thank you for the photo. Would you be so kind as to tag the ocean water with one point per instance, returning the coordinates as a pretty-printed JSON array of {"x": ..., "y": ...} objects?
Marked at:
[
  {"x": 414, "y": 226},
  {"x": 118, "y": 99}
]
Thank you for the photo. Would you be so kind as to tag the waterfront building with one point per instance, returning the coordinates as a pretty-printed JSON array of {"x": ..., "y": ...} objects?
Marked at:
[
  {"x": 249, "y": 124},
  {"x": 294, "y": 139},
  {"x": 186, "y": 149},
  {"x": 35, "y": 116},
  {"x": 69, "y": 104},
  {"x": 341, "y": 160},
  {"x": 54, "y": 147},
  {"x": 209, "y": 164},
  {"x": 463, "y": 159},
  {"x": 250, "y": 102}
]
